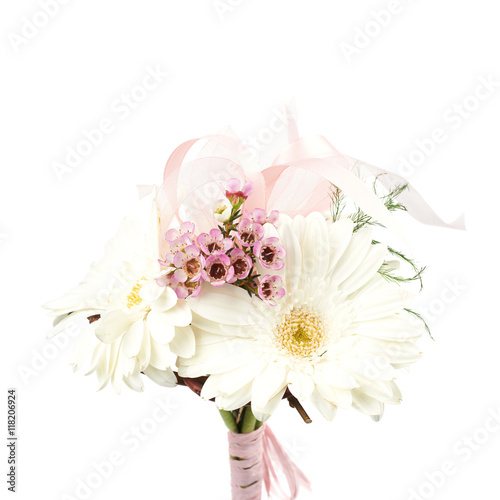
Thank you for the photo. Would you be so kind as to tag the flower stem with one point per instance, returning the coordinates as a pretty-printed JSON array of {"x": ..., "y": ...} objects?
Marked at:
[
  {"x": 249, "y": 421},
  {"x": 228, "y": 418}
]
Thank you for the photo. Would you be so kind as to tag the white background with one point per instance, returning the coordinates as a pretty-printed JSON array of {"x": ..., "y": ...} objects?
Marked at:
[{"x": 237, "y": 66}]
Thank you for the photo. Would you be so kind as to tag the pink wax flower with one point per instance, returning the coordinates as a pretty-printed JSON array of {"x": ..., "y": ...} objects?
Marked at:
[
  {"x": 270, "y": 253},
  {"x": 237, "y": 192},
  {"x": 176, "y": 233},
  {"x": 182, "y": 289},
  {"x": 179, "y": 244},
  {"x": 249, "y": 232},
  {"x": 189, "y": 264},
  {"x": 241, "y": 263},
  {"x": 186, "y": 289},
  {"x": 270, "y": 289},
  {"x": 218, "y": 269},
  {"x": 164, "y": 280},
  {"x": 214, "y": 241},
  {"x": 168, "y": 261},
  {"x": 261, "y": 217}
]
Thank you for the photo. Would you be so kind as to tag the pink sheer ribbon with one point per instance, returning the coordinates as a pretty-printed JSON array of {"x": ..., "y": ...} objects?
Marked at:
[
  {"x": 298, "y": 182},
  {"x": 254, "y": 459}
]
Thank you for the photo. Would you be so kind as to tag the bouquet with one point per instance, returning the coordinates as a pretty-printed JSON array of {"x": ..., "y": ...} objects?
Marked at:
[{"x": 250, "y": 286}]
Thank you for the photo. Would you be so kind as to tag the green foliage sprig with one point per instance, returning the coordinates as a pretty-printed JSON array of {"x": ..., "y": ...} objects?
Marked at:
[{"x": 360, "y": 220}]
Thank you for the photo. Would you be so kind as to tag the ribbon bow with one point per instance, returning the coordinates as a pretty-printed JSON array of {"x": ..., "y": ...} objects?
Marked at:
[{"x": 298, "y": 181}]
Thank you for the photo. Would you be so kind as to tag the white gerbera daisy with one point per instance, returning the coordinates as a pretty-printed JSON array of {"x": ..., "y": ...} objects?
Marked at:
[
  {"x": 135, "y": 324},
  {"x": 338, "y": 337}
]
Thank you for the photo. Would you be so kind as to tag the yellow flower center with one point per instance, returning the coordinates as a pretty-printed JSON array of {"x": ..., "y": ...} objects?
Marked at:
[
  {"x": 134, "y": 297},
  {"x": 300, "y": 333},
  {"x": 220, "y": 208}
]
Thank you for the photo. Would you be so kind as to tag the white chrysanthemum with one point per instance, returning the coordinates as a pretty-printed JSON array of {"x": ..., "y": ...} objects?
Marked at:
[
  {"x": 141, "y": 325},
  {"x": 337, "y": 338}
]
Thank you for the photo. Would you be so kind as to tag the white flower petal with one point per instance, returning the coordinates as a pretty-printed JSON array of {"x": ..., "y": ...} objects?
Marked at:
[
  {"x": 206, "y": 325},
  {"x": 203, "y": 337},
  {"x": 366, "y": 404},
  {"x": 353, "y": 256},
  {"x": 239, "y": 377},
  {"x": 165, "y": 378},
  {"x": 160, "y": 327},
  {"x": 327, "y": 409},
  {"x": 396, "y": 328},
  {"x": 73, "y": 320},
  {"x": 101, "y": 351},
  {"x": 134, "y": 381},
  {"x": 161, "y": 356},
  {"x": 236, "y": 400},
  {"x": 395, "y": 352},
  {"x": 183, "y": 344},
  {"x": 102, "y": 372},
  {"x": 263, "y": 413},
  {"x": 267, "y": 384},
  {"x": 315, "y": 248},
  {"x": 380, "y": 299},
  {"x": 132, "y": 339},
  {"x": 378, "y": 389},
  {"x": 368, "y": 366},
  {"x": 396, "y": 394},
  {"x": 112, "y": 325},
  {"x": 336, "y": 396},
  {"x": 180, "y": 314},
  {"x": 210, "y": 388},
  {"x": 300, "y": 385},
  {"x": 84, "y": 347},
  {"x": 151, "y": 292},
  {"x": 216, "y": 358},
  {"x": 293, "y": 260},
  {"x": 165, "y": 301},
  {"x": 217, "y": 305},
  {"x": 330, "y": 373},
  {"x": 339, "y": 236},
  {"x": 298, "y": 224},
  {"x": 145, "y": 353},
  {"x": 366, "y": 270}
]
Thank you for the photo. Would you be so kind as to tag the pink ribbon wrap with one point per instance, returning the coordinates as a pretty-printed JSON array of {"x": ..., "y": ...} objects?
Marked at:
[
  {"x": 297, "y": 182},
  {"x": 254, "y": 458}
]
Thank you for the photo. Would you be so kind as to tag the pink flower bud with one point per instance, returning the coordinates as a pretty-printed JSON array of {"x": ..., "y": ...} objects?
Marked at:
[
  {"x": 249, "y": 232},
  {"x": 186, "y": 228},
  {"x": 270, "y": 289},
  {"x": 270, "y": 253},
  {"x": 236, "y": 191},
  {"x": 241, "y": 263},
  {"x": 214, "y": 242},
  {"x": 261, "y": 217},
  {"x": 218, "y": 269}
]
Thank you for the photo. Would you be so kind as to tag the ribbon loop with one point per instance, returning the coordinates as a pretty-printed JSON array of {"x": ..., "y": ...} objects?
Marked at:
[{"x": 298, "y": 182}]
